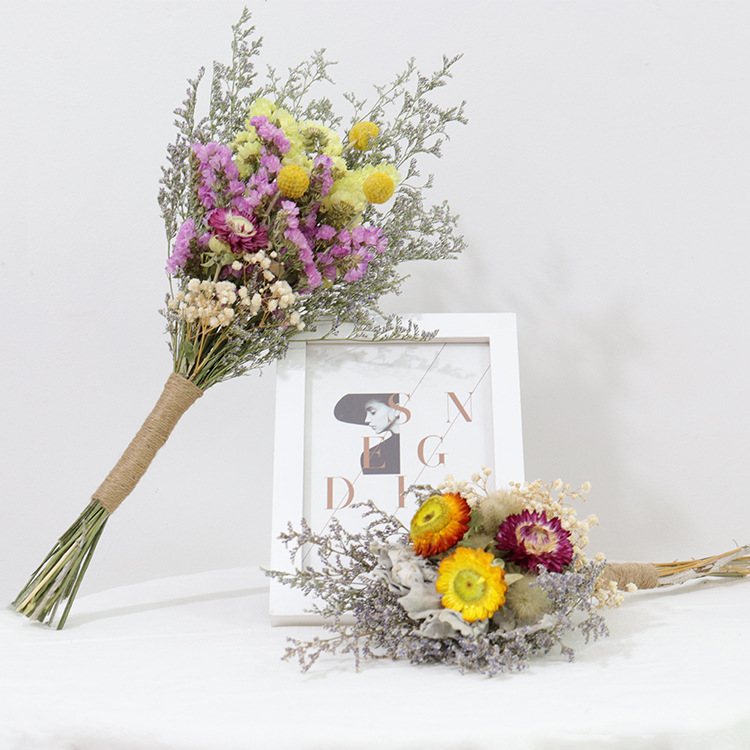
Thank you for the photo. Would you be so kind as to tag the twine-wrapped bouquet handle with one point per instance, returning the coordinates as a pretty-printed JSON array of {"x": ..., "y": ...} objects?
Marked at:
[
  {"x": 57, "y": 579},
  {"x": 177, "y": 397},
  {"x": 643, "y": 575},
  {"x": 735, "y": 563}
]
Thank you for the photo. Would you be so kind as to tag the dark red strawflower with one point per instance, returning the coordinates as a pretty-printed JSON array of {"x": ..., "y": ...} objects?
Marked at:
[
  {"x": 533, "y": 541},
  {"x": 242, "y": 232}
]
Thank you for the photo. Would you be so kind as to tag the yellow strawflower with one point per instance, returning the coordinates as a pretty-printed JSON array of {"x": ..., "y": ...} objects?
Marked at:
[
  {"x": 471, "y": 584},
  {"x": 292, "y": 181},
  {"x": 362, "y": 134}
]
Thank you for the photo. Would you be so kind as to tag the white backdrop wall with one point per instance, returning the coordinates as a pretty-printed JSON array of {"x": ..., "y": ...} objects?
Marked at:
[{"x": 603, "y": 183}]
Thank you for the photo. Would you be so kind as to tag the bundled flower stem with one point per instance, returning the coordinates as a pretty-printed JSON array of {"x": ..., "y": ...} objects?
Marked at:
[
  {"x": 276, "y": 224},
  {"x": 59, "y": 577}
]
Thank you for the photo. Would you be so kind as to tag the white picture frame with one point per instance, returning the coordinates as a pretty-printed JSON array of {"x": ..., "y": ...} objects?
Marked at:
[{"x": 363, "y": 421}]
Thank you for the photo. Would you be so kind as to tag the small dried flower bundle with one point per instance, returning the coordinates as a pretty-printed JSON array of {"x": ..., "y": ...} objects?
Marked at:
[
  {"x": 483, "y": 580},
  {"x": 273, "y": 229}
]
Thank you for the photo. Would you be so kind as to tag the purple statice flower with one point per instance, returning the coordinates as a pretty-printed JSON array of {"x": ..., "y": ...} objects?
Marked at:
[
  {"x": 298, "y": 239},
  {"x": 308, "y": 223},
  {"x": 325, "y": 232},
  {"x": 371, "y": 237},
  {"x": 220, "y": 179},
  {"x": 357, "y": 272},
  {"x": 271, "y": 162},
  {"x": 289, "y": 214},
  {"x": 270, "y": 133},
  {"x": 321, "y": 174},
  {"x": 241, "y": 231},
  {"x": 327, "y": 266},
  {"x": 326, "y": 262},
  {"x": 215, "y": 155},
  {"x": 206, "y": 196},
  {"x": 314, "y": 278},
  {"x": 343, "y": 246},
  {"x": 261, "y": 183},
  {"x": 356, "y": 249},
  {"x": 181, "y": 251},
  {"x": 246, "y": 204}
]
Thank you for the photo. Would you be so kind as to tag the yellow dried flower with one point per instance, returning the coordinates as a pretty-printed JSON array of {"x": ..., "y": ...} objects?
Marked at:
[
  {"x": 362, "y": 134},
  {"x": 378, "y": 187},
  {"x": 261, "y": 107},
  {"x": 471, "y": 584},
  {"x": 346, "y": 196},
  {"x": 317, "y": 138},
  {"x": 292, "y": 181}
]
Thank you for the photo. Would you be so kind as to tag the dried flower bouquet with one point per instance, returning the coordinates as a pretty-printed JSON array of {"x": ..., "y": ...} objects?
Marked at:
[
  {"x": 275, "y": 224},
  {"x": 482, "y": 580}
]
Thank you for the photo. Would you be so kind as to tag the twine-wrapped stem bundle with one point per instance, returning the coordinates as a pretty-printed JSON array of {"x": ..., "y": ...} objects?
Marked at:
[
  {"x": 176, "y": 398},
  {"x": 642, "y": 575},
  {"x": 58, "y": 578},
  {"x": 650, "y": 576}
]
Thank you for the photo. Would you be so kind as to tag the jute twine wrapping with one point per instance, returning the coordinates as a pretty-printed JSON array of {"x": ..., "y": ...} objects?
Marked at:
[
  {"x": 176, "y": 398},
  {"x": 643, "y": 575}
]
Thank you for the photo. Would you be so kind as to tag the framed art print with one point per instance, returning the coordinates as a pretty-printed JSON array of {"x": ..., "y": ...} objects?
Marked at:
[{"x": 360, "y": 421}]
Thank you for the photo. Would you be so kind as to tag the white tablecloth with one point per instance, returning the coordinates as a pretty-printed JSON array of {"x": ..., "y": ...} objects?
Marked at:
[{"x": 192, "y": 663}]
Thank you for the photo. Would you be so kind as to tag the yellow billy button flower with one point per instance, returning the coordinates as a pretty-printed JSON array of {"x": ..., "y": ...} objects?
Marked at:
[
  {"x": 362, "y": 134},
  {"x": 440, "y": 522},
  {"x": 292, "y": 181},
  {"x": 471, "y": 584},
  {"x": 378, "y": 187}
]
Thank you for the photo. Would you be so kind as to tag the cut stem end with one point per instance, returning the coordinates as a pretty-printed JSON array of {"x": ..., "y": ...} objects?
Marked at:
[{"x": 57, "y": 580}]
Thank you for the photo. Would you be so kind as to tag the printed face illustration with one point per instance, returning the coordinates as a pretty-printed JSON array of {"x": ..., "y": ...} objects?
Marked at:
[{"x": 379, "y": 416}]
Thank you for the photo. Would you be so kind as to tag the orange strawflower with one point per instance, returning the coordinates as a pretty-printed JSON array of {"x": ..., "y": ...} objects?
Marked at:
[{"x": 441, "y": 522}]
